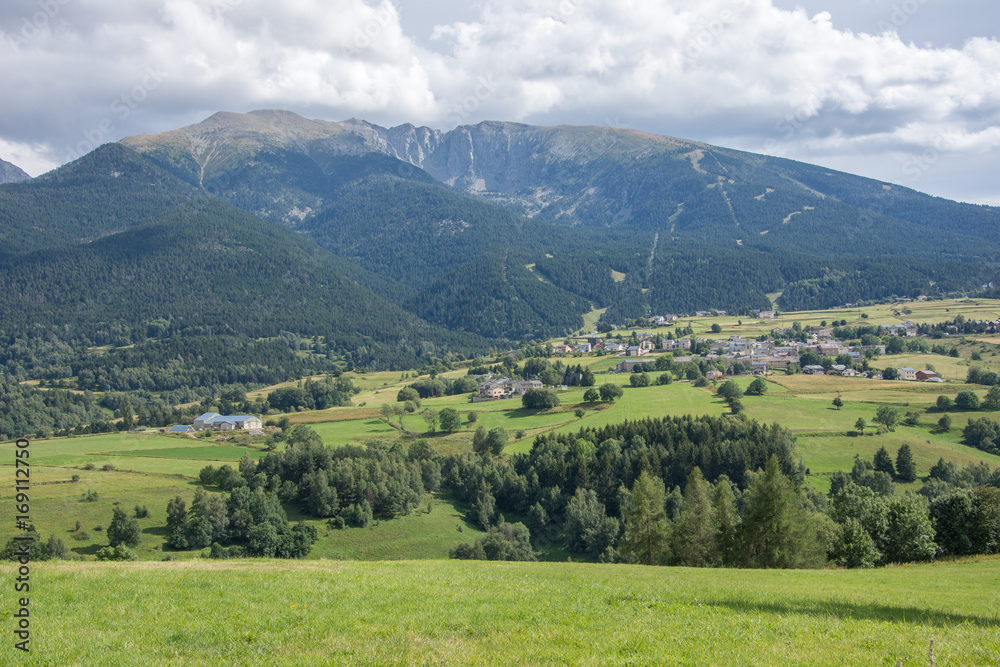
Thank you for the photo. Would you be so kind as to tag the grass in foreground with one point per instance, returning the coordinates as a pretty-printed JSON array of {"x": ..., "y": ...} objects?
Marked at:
[{"x": 468, "y": 613}]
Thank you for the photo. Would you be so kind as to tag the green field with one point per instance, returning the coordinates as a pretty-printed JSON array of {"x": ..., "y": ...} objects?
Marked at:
[
  {"x": 419, "y": 535},
  {"x": 481, "y": 613}
]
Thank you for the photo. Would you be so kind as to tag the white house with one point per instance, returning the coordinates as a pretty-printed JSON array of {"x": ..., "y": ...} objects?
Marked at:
[
  {"x": 213, "y": 421},
  {"x": 907, "y": 373}
]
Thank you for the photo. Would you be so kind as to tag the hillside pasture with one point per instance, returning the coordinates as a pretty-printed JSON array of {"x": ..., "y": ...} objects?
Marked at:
[{"x": 482, "y": 613}]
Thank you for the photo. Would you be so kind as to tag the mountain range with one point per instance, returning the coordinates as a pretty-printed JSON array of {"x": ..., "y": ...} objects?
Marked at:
[{"x": 413, "y": 240}]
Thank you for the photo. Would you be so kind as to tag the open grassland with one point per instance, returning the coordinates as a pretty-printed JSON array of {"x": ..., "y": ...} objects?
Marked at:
[
  {"x": 480, "y": 613},
  {"x": 438, "y": 524}
]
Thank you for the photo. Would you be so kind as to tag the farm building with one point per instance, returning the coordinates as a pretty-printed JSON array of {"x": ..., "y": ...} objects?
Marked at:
[{"x": 213, "y": 421}]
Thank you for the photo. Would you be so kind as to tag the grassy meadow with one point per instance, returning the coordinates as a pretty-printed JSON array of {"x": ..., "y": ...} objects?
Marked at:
[{"x": 487, "y": 613}]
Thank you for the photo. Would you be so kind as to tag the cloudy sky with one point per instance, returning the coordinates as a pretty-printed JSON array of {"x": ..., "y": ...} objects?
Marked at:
[{"x": 907, "y": 91}]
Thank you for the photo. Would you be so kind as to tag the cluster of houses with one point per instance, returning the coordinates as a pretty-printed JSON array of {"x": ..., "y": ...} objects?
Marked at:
[
  {"x": 762, "y": 357},
  {"x": 596, "y": 344},
  {"x": 495, "y": 389},
  {"x": 213, "y": 421}
]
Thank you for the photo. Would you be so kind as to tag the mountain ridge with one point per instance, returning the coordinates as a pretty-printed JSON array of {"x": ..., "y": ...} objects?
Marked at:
[{"x": 11, "y": 173}]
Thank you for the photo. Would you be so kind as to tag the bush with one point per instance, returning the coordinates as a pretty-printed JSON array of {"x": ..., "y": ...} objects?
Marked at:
[
  {"x": 504, "y": 541},
  {"x": 982, "y": 434},
  {"x": 120, "y": 552},
  {"x": 90, "y": 496},
  {"x": 639, "y": 380},
  {"x": 141, "y": 512},
  {"x": 610, "y": 391},
  {"x": 967, "y": 400},
  {"x": 539, "y": 399}
]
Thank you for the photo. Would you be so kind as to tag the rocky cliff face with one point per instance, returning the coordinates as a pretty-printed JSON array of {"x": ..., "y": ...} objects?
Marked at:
[
  {"x": 554, "y": 170},
  {"x": 10, "y": 173}
]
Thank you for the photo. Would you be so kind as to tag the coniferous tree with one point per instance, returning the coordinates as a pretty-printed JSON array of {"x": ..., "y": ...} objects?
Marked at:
[
  {"x": 727, "y": 521},
  {"x": 694, "y": 534},
  {"x": 777, "y": 530},
  {"x": 882, "y": 462},
  {"x": 906, "y": 469},
  {"x": 646, "y": 538}
]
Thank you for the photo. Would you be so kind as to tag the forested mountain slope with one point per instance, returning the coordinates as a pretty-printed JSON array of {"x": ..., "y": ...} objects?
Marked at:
[{"x": 692, "y": 226}]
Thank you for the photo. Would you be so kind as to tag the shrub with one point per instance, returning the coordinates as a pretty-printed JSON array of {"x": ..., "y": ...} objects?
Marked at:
[
  {"x": 639, "y": 380},
  {"x": 120, "y": 552},
  {"x": 539, "y": 399},
  {"x": 967, "y": 400}
]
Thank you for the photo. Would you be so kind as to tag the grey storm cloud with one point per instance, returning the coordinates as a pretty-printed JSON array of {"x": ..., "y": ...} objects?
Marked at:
[{"x": 864, "y": 86}]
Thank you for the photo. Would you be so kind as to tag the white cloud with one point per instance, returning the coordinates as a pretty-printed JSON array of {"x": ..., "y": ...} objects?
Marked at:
[{"x": 30, "y": 158}]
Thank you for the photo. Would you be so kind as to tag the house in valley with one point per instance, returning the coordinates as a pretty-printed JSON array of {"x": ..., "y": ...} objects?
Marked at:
[{"x": 213, "y": 421}]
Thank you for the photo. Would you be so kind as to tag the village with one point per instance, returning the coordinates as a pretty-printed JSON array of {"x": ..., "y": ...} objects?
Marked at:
[{"x": 819, "y": 354}]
